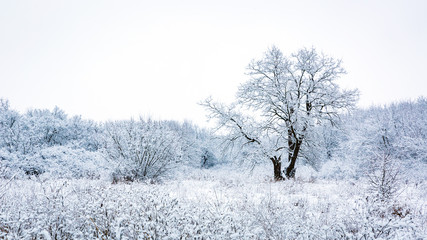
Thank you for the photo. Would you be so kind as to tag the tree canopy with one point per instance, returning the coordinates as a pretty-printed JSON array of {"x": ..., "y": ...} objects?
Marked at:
[{"x": 283, "y": 98}]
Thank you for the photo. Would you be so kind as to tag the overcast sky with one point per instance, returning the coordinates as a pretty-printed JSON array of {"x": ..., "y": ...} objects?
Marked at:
[{"x": 117, "y": 59}]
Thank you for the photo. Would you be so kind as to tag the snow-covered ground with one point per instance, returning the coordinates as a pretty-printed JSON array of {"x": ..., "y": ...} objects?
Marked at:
[{"x": 217, "y": 203}]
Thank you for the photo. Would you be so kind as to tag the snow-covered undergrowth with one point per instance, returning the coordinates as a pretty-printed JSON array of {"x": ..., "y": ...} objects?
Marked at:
[{"x": 216, "y": 203}]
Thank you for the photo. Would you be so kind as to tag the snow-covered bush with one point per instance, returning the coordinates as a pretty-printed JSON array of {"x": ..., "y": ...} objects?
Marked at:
[
  {"x": 10, "y": 129},
  {"x": 208, "y": 159},
  {"x": 63, "y": 162},
  {"x": 338, "y": 169},
  {"x": 225, "y": 204},
  {"x": 384, "y": 177},
  {"x": 375, "y": 220},
  {"x": 7, "y": 162},
  {"x": 141, "y": 149}
]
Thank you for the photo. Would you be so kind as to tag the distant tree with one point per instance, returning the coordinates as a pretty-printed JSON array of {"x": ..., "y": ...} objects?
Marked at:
[
  {"x": 42, "y": 128},
  {"x": 10, "y": 129},
  {"x": 283, "y": 99},
  {"x": 45, "y": 127},
  {"x": 396, "y": 132}
]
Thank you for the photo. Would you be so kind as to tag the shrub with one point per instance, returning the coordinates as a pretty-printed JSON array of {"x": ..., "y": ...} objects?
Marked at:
[{"x": 140, "y": 150}]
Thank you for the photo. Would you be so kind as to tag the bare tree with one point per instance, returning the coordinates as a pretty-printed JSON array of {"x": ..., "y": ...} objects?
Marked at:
[
  {"x": 283, "y": 98},
  {"x": 383, "y": 177}
]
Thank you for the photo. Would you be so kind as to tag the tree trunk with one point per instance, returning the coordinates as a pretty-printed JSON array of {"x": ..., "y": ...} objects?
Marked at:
[
  {"x": 291, "y": 144},
  {"x": 277, "y": 167},
  {"x": 290, "y": 170}
]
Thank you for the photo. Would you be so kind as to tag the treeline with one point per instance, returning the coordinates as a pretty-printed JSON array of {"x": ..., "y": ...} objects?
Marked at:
[
  {"x": 363, "y": 139},
  {"x": 51, "y": 144}
]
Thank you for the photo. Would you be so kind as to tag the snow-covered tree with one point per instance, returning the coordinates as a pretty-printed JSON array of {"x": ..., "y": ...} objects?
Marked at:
[
  {"x": 398, "y": 131},
  {"x": 10, "y": 131},
  {"x": 281, "y": 102}
]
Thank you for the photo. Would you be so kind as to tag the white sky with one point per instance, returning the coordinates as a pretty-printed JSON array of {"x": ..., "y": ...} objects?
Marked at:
[{"x": 117, "y": 59}]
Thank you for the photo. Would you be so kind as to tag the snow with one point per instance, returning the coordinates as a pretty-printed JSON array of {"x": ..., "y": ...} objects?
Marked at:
[
  {"x": 56, "y": 180},
  {"x": 210, "y": 203}
]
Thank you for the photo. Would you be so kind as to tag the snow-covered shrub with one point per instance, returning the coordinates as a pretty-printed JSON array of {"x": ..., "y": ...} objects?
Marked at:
[
  {"x": 336, "y": 169},
  {"x": 226, "y": 204},
  {"x": 196, "y": 145},
  {"x": 306, "y": 173},
  {"x": 63, "y": 162},
  {"x": 8, "y": 168},
  {"x": 384, "y": 177},
  {"x": 10, "y": 129},
  {"x": 375, "y": 220},
  {"x": 321, "y": 144},
  {"x": 141, "y": 150},
  {"x": 208, "y": 159}
]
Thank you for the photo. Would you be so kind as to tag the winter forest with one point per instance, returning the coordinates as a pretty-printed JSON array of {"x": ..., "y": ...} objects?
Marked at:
[{"x": 292, "y": 157}]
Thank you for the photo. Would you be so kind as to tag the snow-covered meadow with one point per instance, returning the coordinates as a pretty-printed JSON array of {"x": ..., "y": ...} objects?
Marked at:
[
  {"x": 217, "y": 203},
  {"x": 70, "y": 178}
]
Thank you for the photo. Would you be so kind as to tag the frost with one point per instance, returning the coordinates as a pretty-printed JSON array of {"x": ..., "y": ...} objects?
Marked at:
[
  {"x": 364, "y": 179},
  {"x": 227, "y": 205}
]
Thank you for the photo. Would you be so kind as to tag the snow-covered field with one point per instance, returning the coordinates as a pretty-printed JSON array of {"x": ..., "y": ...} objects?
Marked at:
[{"x": 218, "y": 203}]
